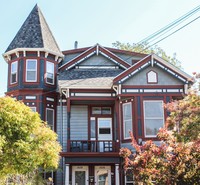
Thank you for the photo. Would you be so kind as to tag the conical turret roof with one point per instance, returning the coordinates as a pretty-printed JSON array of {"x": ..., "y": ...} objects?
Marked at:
[{"x": 35, "y": 33}]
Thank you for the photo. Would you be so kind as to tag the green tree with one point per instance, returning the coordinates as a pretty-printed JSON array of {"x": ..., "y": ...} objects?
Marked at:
[
  {"x": 26, "y": 142},
  {"x": 146, "y": 49},
  {"x": 177, "y": 159}
]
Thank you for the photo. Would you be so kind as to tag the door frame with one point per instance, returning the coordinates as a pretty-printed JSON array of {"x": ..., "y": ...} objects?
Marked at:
[
  {"x": 108, "y": 168},
  {"x": 80, "y": 168}
]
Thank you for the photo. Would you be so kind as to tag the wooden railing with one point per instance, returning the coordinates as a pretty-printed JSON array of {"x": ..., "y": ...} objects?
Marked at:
[{"x": 92, "y": 146}]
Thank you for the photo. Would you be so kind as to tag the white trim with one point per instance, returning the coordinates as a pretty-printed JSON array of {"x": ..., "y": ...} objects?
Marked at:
[
  {"x": 30, "y": 97},
  {"x": 34, "y": 70},
  {"x": 7, "y": 54},
  {"x": 50, "y": 99},
  {"x": 173, "y": 90},
  {"x": 15, "y": 72},
  {"x": 92, "y": 94},
  {"x": 66, "y": 174},
  {"x": 117, "y": 174}
]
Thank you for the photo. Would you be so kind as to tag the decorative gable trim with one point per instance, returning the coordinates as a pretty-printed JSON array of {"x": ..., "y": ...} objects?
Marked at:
[
  {"x": 97, "y": 49},
  {"x": 152, "y": 60}
]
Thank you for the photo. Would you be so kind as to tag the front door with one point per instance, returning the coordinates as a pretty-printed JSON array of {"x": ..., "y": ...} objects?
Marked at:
[
  {"x": 104, "y": 133},
  {"x": 80, "y": 175},
  {"x": 103, "y": 175}
]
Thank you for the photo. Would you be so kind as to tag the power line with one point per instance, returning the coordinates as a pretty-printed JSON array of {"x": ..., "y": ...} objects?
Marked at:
[{"x": 171, "y": 25}]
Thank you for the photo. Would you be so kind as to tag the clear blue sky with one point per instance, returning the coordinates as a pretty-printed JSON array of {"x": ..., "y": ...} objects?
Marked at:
[{"x": 104, "y": 22}]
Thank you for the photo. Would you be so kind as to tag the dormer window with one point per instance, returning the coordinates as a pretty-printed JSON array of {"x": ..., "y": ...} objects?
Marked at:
[
  {"x": 31, "y": 70},
  {"x": 13, "y": 77},
  {"x": 152, "y": 77},
  {"x": 50, "y": 72}
]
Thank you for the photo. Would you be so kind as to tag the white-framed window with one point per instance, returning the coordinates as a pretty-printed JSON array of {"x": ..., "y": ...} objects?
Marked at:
[
  {"x": 31, "y": 70},
  {"x": 153, "y": 117},
  {"x": 13, "y": 76},
  {"x": 50, "y": 117},
  {"x": 127, "y": 119},
  {"x": 33, "y": 109},
  {"x": 129, "y": 179},
  {"x": 50, "y": 72}
]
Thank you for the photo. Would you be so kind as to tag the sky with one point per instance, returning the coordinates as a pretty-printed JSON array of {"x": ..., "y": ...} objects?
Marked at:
[{"x": 105, "y": 22}]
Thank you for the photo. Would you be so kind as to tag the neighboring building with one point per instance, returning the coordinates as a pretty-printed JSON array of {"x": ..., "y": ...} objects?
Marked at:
[{"x": 92, "y": 97}]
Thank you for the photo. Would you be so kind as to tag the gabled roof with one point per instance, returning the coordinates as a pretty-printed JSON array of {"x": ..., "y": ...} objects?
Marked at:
[
  {"x": 152, "y": 60},
  {"x": 97, "y": 49},
  {"x": 35, "y": 33}
]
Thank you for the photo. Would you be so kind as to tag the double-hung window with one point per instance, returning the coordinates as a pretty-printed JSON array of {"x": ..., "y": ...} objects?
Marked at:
[
  {"x": 50, "y": 117},
  {"x": 153, "y": 117},
  {"x": 31, "y": 70},
  {"x": 127, "y": 119},
  {"x": 13, "y": 77},
  {"x": 50, "y": 72}
]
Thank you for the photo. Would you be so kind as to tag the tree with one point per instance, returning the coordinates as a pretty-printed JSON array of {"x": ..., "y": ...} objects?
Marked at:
[
  {"x": 26, "y": 142},
  {"x": 177, "y": 159},
  {"x": 146, "y": 49}
]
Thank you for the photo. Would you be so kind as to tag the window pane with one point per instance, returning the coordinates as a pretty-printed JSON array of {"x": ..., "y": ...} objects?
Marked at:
[
  {"x": 106, "y": 110},
  {"x": 152, "y": 126},
  {"x": 104, "y": 123},
  {"x": 127, "y": 119},
  {"x": 14, "y": 67},
  {"x": 96, "y": 110},
  {"x": 50, "y": 67},
  {"x": 153, "y": 109},
  {"x": 50, "y": 117},
  {"x": 80, "y": 177},
  {"x": 31, "y": 75},
  {"x": 31, "y": 64},
  {"x": 93, "y": 128},
  {"x": 14, "y": 78},
  {"x": 127, "y": 128},
  {"x": 104, "y": 130}
]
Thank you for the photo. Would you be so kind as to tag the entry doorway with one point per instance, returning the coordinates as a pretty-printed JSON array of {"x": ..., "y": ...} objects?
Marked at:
[
  {"x": 103, "y": 175},
  {"x": 80, "y": 175}
]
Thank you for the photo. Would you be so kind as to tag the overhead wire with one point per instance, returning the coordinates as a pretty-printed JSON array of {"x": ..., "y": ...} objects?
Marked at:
[{"x": 171, "y": 25}]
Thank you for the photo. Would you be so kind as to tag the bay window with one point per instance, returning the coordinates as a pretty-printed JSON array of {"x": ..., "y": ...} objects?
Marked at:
[{"x": 153, "y": 117}]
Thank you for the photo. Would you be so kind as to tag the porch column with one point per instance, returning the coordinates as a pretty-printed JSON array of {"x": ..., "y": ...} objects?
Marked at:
[
  {"x": 66, "y": 174},
  {"x": 116, "y": 174}
]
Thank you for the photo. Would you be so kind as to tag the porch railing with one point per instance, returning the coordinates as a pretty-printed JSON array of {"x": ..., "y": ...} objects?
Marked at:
[{"x": 92, "y": 146}]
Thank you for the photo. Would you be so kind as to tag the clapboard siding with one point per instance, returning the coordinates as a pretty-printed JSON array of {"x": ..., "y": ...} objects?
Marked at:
[{"x": 79, "y": 123}]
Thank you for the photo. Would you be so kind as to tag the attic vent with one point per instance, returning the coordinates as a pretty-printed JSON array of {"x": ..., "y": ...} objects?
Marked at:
[{"x": 75, "y": 44}]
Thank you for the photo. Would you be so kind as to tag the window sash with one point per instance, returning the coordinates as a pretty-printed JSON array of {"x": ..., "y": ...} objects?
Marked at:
[
  {"x": 14, "y": 66},
  {"x": 50, "y": 72},
  {"x": 153, "y": 120},
  {"x": 50, "y": 117},
  {"x": 31, "y": 70},
  {"x": 127, "y": 119}
]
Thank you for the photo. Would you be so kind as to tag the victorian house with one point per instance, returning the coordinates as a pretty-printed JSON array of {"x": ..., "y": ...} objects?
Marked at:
[{"x": 91, "y": 97}]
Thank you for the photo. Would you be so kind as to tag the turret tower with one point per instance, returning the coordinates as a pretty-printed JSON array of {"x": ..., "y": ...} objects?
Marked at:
[{"x": 33, "y": 57}]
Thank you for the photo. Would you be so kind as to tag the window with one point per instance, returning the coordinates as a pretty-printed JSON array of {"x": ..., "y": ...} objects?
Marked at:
[
  {"x": 50, "y": 117},
  {"x": 127, "y": 119},
  {"x": 33, "y": 109},
  {"x": 13, "y": 78},
  {"x": 129, "y": 180},
  {"x": 101, "y": 110},
  {"x": 50, "y": 73},
  {"x": 31, "y": 70},
  {"x": 153, "y": 117}
]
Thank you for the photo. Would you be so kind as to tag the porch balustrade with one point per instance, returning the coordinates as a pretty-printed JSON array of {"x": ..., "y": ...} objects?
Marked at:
[{"x": 92, "y": 146}]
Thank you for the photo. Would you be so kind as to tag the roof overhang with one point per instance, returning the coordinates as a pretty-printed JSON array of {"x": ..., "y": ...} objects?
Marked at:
[{"x": 58, "y": 56}]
